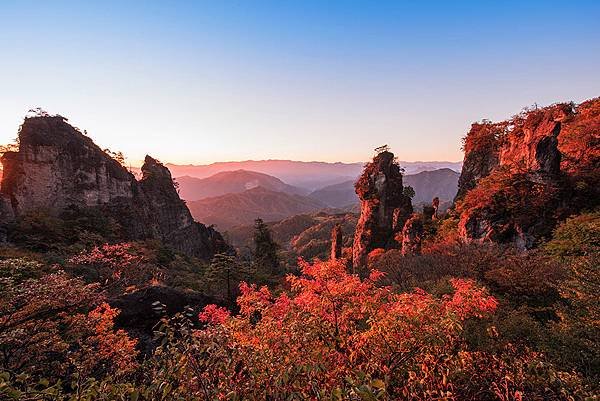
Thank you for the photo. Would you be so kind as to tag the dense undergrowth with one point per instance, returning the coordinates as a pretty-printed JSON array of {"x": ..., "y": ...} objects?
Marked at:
[{"x": 460, "y": 322}]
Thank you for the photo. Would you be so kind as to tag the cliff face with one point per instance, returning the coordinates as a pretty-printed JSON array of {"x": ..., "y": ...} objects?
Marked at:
[
  {"x": 383, "y": 207},
  {"x": 337, "y": 242},
  {"x": 57, "y": 167},
  {"x": 481, "y": 147},
  {"x": 516, "y": 184}
]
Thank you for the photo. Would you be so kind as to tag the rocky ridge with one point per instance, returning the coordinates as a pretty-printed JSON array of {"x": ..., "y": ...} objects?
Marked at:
[
  {"x": 522, "y": 175},
  {"x": 57, "y": 167}
]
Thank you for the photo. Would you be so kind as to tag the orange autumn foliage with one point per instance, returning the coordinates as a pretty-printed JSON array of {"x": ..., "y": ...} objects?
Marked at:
[
  {"x": 333, "y": 326},
  {"x": 579, "y": 141},
  {"x": 69, "y": 329}
]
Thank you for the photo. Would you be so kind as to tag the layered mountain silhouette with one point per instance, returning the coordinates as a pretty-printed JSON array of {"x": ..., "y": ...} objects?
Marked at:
[
  {"x": 310, "y": 175},
  {"x": 442, "y": 183},
  {"x": 242, "y": 208},
  {"x": 227, "y": 182},
  {"x": 233, "y": 198},
  {"x": 337, "y": 195}
]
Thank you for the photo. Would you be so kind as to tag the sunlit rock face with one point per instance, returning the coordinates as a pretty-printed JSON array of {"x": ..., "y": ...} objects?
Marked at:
[
  {"x": 528, "y": 143},
  {"x": 519, "y": 176},
  {"x": 57, "y": 167},
  {"x": 383, "y": 207}
]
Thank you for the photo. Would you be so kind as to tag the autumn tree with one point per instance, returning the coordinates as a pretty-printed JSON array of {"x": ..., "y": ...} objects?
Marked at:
[
  {"x": 116, "y": 266},
  {"x": 337, "y": 336},
  {"x": 57, "y": 325}
]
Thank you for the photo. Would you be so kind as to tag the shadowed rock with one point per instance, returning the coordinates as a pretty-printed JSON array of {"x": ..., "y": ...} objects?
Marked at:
[
  {"x": 57, "y": 167},
  {"x": 337, "y": 242}
]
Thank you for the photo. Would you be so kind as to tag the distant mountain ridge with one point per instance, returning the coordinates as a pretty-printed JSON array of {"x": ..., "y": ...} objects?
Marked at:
[
  {"x": 442, "y": 183},
  {"x": 311, "y": 175},
  {"x": 242, "y": 196},
  {"x": 242, "y": 208},
  {"x": 226, "y": 182},
  {"x": 337, "y": 195}
]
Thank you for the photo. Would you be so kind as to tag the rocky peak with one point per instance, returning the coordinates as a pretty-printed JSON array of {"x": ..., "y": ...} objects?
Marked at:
[
  {"x": 527, "y": 142},
  {"x": 512, "y": 188},
  {"x": 152, "y": 169},
  {"x": 481, "y": 147},
  {"x": 57, "y": 167},
  {"x": 383, "y": 207},
  {"x": 531, "y": 143}
]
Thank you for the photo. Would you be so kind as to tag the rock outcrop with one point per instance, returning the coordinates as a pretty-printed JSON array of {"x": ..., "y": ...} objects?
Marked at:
[
  {"x": 412, "y": 235},
  {"x": 435, "y": 204},
  {"x": 512, "y": 188},
  {"x": 57, "y": 167},
  {"x": 481, "y": 147},
  {"x": 384, "y": 208},
  {"x": 337, "y": 242},
  {"x": 527, "y": 143},
  {"x": 428, "y": 212}
]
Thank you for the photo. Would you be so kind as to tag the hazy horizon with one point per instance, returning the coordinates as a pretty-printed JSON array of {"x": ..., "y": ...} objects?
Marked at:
[
  {"x": 303, "y": 161},
  {"x": 192, "y": 83}
]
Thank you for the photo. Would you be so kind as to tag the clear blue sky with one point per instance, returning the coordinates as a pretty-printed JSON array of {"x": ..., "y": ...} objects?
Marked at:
[{"x": 197, "y": 82}]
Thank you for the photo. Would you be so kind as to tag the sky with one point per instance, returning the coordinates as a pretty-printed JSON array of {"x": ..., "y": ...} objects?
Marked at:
[{"x": 205, "y": 81}]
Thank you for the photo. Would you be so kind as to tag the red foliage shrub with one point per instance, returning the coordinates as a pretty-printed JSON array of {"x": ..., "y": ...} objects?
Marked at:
[
  {"x": 68, "y": 329},
  {"x": 334, "y": 333},
  {"x": 579, "y": 140}
]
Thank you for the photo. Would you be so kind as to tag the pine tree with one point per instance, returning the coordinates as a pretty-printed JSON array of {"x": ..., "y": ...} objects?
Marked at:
[
  {"x": 228, "y": 271},
  {"x": 265, "y": 249}
]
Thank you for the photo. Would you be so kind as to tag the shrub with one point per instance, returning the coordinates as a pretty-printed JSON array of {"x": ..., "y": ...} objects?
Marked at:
[{"x": 53, "y": 326}]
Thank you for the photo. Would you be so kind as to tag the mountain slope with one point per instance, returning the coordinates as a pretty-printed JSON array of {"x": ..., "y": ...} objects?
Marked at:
[
  {"x": 243, "y": 208},
  {"x": 305, "y": 235},
  {"x": 337, "y": 195},
  {"x": 226, "y": 182},
  {"x": 442, "y": 183},
  {"x": 311, "y": 175}
]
